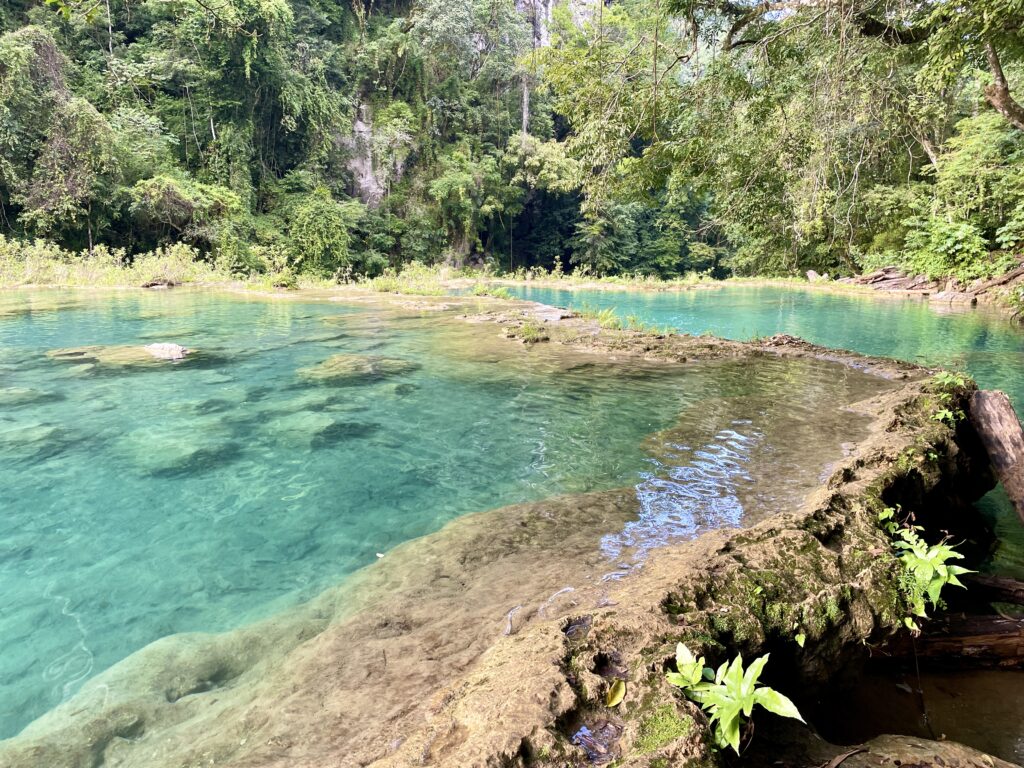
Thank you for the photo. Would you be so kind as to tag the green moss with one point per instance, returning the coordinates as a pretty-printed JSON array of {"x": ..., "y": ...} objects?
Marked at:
[{"x": 661, "y": 727}]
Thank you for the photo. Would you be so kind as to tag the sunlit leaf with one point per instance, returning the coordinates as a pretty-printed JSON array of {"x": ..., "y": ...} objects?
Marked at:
[{"x": 616, "y": 693}]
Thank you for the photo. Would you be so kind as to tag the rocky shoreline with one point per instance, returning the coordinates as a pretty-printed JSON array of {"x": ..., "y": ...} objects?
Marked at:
[
  {"x": 469, "y": 689},
  {"x": 1001, "y": 291}
]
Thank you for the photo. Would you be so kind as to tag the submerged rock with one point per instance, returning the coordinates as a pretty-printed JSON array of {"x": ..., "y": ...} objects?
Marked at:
[
  {"x": 35, "y": 304},
  {"x": 163, "y": 450},
  {"x": 14, "y": 396},
  {"x": 316, "y": 429},
  {"x": 123, "y": 355},
  {"x": 31, "y": 442},
  {"x": 351, "y": 368},
  {"x": 302, "y": 427}
]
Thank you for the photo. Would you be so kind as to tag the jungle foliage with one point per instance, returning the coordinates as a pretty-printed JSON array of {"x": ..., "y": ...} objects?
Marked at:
[{"x": 344, "y": 138}]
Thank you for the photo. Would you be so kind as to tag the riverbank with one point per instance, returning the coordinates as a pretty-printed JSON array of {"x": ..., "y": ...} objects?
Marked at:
[
  {"x": 425, "y": 651},
  {"x": 40, "y": 264}
]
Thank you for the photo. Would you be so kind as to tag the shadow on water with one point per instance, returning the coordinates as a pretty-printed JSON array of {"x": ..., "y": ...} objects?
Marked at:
[{"x": 980, "y": 708}]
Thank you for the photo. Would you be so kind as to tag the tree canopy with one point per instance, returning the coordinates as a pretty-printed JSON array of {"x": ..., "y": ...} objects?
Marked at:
[{"x": 641, "y": 136}]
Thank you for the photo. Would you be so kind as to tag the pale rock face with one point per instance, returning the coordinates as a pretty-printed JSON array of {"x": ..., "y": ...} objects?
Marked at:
[
  {"x": 167, "y": 351},
  {"x": 539, "y": 14},
  {"x": 368, "y": 187}
]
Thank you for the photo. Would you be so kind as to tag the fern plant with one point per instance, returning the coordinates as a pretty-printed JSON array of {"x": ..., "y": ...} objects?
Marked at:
[
  {"x": 729, "y": 694},
  {"x": 928, "y": 570},
  {"x": 927, "y": 567}
]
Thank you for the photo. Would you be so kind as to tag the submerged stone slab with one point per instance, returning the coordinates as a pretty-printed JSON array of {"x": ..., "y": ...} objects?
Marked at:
[
  {"x": 14, "y": 396},
  {"x": 31, "y": 442},
  {"x": 30, "y": 305},
  {"x": 341, "y": 369},
  {"x": 120, "y": 355},
  {"x": 160, "y": 450}
]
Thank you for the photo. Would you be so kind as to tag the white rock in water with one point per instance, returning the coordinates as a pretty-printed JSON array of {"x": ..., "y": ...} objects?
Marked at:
[{"x": 165, "y": 351}]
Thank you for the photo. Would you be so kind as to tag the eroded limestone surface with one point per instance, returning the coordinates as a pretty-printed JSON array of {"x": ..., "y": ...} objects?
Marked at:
[{"x": 493, "y": 641}]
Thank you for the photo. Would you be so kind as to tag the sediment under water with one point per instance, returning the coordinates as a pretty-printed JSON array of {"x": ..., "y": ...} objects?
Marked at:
[
  {"x": 145, "y": 501},
  {"x": 981, "y": 341}
]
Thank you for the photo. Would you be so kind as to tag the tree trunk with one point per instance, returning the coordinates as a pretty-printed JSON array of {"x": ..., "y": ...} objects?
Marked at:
[
  {"x": 996, "y": 423},
  {"x": 994, "y": 589},
  {"x": 966, "y": 640},
  {"x": 998, "y": 94},
  {"x": 526, "y": 104}
]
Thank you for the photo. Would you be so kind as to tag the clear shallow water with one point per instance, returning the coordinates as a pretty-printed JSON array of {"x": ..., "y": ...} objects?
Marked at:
[
  {"x": 983, "y": 343},
  {"x": 139, "y": 502}
]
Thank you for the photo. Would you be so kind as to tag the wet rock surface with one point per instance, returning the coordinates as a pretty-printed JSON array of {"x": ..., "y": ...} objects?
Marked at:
[{"x": 167, "y": 351}]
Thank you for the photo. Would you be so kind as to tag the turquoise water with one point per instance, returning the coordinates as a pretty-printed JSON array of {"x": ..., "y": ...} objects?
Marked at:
[
  {"x": 982, "y": 342},
  {"x": 144, "y": 500}
]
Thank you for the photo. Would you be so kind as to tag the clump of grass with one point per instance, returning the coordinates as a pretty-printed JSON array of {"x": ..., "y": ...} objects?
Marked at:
[
  {"x": 416, "y": 279},
  {"x": 495, "y": 292},
  {"x": 532, "y": 332},
  {"x": 606, "y": 318},
  {"x": 43, "y": 263},
  {"x": 634, "y": 323}
]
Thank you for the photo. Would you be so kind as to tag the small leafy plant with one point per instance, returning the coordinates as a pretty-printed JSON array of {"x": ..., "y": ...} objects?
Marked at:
[
  {"x": 729, "y": 694},
  {"x": 947, "y": 380},
  {"x": 946, "y": 384},
  {"x": 606, "y": 318},
  {"x": 927, "y": 567}
]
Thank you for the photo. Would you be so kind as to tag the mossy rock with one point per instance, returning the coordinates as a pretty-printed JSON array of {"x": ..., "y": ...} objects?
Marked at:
[{"x": 660, "y": 728}]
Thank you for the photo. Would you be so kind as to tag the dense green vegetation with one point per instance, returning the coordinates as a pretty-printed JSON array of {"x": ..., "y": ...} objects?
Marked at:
[{"x": 340, "y": 138}]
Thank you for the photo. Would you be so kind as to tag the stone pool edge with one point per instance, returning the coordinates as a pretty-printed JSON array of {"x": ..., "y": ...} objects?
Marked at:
[
  {"x": 826, "y": 571},
  {"x": 722, "y": 593}
]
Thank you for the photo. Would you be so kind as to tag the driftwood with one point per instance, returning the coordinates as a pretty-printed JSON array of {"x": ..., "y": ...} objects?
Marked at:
[
  {"x": 995, "y": 282},
  {"x": 999, "y": 428},
  {"x": 994, "y": 589},
  {"x": 965, "y": 640}
]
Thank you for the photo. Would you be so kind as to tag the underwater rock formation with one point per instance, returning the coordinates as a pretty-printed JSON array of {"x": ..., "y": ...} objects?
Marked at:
[
  {"x": 122, "y": 355},
  {"x": 340, "y": 369}
]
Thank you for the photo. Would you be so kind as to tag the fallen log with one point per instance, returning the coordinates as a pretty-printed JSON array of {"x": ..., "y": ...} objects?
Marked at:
[
  {"x": 1007, "y": 277},
  {"x": 999, "y": 428},
  {"x": 994, "y": 589},
  {"x": 964, "y": 639}
]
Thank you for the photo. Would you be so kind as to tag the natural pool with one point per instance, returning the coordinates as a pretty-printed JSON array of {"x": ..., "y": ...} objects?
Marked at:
[
  {"x": 981, "y": 341},
  {"x": 142, "y": 501}
]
